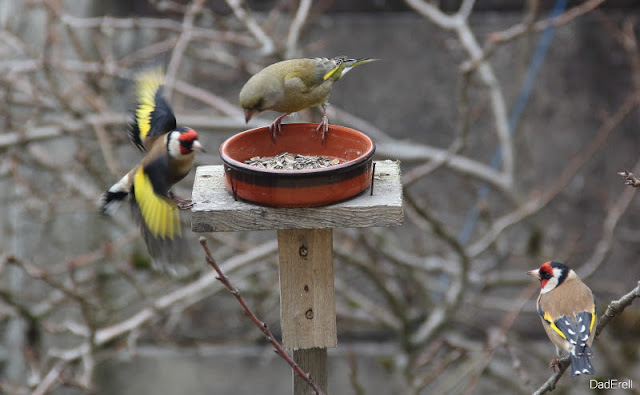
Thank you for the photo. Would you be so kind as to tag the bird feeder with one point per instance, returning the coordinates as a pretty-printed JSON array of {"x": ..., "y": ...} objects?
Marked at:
[{"x": 348, "y": 195}]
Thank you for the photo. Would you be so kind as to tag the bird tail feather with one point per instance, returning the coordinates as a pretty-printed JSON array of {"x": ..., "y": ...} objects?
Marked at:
[
  {"x": 345, "y": 65},
  {"x": 580, "y": 363},
  {"x": 109, "y": 201}
]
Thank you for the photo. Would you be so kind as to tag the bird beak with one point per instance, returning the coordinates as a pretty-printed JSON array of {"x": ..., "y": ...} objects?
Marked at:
[
  {"x": 196, "y": 146},
  {"x": 248, "y": 114},
  {"x": 534, "y": 273}
]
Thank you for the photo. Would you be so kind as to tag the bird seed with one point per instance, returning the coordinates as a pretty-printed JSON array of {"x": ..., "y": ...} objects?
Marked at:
[{"x": 287, "y": 161}]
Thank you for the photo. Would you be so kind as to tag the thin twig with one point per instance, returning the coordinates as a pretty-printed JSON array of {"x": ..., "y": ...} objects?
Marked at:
[
  {"x": 603, "y": 247},
  {"x": 458, "y": 283},
  {"x": 52, "y": 378},
  {"x": 296, "y": 27},
  {"x": 106, "y": 147},
  {"x": 214, "y": 101},
  {"x": 459, "y": 23},
  {"x": 109, "y": 23},
  {"x": 414, "y": 151},
  {"x": 500, "y": 336},
  {"x": 190, "y": 293},
  {"x": 630, "y": 178},
  {"x": 616, "y": 308},
  {"x": 520, "y": 29},
  {"x": 261, "y": 325},
  {"x": 550, "y": 384},
  {"x": 535, "y": 204},
  {"x": 181, "y": 45},
  {"x": 238, "y": 7}
]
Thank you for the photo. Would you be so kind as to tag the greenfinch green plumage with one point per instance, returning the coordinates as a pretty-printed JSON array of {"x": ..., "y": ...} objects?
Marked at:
[{"x": 293, "y": 85}]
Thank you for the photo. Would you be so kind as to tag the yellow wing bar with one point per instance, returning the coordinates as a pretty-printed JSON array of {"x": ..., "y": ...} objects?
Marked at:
[
  {"x": 158, "y": 212},
  {"x": 553, "y": 326},
  {"x": 147, "y": 85}
]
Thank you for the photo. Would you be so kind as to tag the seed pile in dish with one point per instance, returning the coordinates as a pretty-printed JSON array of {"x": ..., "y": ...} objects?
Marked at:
[{"x": 288, "y": 161}]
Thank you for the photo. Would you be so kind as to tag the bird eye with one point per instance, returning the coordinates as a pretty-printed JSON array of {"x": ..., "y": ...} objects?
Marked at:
[{"x": 545, "y": 275}]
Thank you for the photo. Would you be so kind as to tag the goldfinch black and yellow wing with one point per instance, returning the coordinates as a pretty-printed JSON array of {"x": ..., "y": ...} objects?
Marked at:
[
  {"x": 576, "y": 331},
  {"x": 159, "y": 220},
  {"x": 153, "y": 116},
  {"x": 159, "y": 215}
]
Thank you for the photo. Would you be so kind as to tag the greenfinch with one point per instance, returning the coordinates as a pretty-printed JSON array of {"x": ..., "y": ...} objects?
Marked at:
[
  {"x": 168, "y": 159},
  {"x": 293, "y": 85}
]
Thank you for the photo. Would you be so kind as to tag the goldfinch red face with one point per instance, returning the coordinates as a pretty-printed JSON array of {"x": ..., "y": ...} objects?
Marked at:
[
  {"x": 550, "y": 274},
  {"x": 183, "y": 141}
]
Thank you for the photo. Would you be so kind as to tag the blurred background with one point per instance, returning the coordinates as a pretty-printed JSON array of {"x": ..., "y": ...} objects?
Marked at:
[{"x": 511, "y": 125}]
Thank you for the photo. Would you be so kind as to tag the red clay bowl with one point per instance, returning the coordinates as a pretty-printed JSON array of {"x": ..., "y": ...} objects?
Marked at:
[{"x": 298, "y": 188}]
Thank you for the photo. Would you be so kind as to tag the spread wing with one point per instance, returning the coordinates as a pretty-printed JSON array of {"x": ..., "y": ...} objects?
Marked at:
[
  {"x": 159, "y": 214},
  {"x": 153, "y": 116}
]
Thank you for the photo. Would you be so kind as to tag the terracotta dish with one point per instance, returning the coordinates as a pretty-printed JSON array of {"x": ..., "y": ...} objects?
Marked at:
[{"x": 298, "y": 188}]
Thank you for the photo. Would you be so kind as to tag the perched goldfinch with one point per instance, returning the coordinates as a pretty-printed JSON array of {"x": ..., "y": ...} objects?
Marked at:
[
  {"x": 568, "y": 312},
  {"x": 293, "y": 85},
  {"x": 168, "y": 159}
]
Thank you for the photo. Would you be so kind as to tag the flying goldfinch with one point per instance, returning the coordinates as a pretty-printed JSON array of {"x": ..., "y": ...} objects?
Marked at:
[
  {"x": 568, "y": 312},
  {"x": 293, "y": 85},
  {"x": 169, "y": 156}
]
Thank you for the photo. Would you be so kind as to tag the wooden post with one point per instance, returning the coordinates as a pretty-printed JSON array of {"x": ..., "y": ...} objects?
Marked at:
[
  {"x": 305, "y": 246},
  {"x": 307, "y": 294},
  {"x": 307, "y": 301},
  {"x": 314, "y": 362}
]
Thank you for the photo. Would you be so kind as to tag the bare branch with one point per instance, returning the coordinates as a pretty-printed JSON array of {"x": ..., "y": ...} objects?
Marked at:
[
  {"x": 458, "y": 23},
  {"x": 520, "y": 29},
  {"x": 458, "y": 282},
  {"x": 181, "y": 45},
  {"x": 499, "y": 334},
  {"x": 209, "y": 98},
  {"x": 261, "y": 325},
  {"x": 192, "y": 292},
  {"x": 107, "y": 149},
  {"x": 550, "y": 384},
  {"x": 630, "y": 178},
  {"x": 238, "y": 7},
  {"x": 604, "y": 245},
  {"x": 33, "y": 134},
  {"x": 51, "y": 379},
  {"x": 465, "y": 8},
  {"x": 296, "y": 26},
  {"x": 108, "y": 24},
  {"x": 434, "y": 14},
  {"x": 415, "y": 151},
  {"x": 616, "y": 307},
  {"x": 537, "y": 203}
]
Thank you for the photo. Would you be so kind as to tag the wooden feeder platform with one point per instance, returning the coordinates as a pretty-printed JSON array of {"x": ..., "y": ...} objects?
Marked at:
[{"x": 305, "y": 247}]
